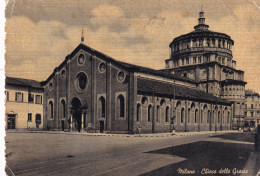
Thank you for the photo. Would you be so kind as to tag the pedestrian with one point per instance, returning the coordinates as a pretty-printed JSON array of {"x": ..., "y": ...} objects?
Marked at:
[{"x": 139, "y": 131}]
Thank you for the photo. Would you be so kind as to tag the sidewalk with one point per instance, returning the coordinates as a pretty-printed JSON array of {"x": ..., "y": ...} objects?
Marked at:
[
  {"x": 252, "y": 165},
  {"x": 125, "y": 135}
]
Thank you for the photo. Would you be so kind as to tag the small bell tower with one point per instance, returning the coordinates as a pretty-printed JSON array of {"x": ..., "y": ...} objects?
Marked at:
[{"x": 82, "y": 37}]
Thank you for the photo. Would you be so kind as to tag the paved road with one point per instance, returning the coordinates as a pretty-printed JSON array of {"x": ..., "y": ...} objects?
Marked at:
[{"x": 63, "y": 154}]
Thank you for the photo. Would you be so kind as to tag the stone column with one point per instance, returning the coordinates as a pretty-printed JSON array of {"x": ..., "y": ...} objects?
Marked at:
[
  {"x": 204, "y": 42},
  {"x": 71, "y": 121},
  {"x": 82, "y": 121},
  {"x": 216, "y": 43}
]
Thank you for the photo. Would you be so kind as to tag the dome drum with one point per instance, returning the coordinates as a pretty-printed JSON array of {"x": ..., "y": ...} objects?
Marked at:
[{"x": 203, "y": 50}]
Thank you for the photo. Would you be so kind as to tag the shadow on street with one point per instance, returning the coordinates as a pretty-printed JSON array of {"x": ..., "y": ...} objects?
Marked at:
[{"x": 203, "y": 154}]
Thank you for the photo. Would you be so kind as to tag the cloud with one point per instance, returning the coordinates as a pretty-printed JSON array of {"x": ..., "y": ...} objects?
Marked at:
[
  {"x": 29, "y": 45},
  {"x": 106, "y": 10},
  {"x": 110, "y": 16},
  {"x": 243, "y": 27},
  {"x": 36, "y": 48}
]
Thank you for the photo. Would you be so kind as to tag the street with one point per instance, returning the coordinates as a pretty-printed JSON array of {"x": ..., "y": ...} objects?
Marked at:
[{"x": 65, "y": 154}]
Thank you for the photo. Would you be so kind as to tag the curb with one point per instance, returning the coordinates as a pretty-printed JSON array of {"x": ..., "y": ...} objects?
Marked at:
[{"x": 177, "y": 134}]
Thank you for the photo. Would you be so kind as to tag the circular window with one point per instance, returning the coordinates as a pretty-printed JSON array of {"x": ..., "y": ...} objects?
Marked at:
[
  {"x": 51, "y": 86},
  {"x": 81, "y": 59},
  {"x": 81, "y": 82},
  {"x": 121, "y": 76},
  {"x": 63, "y": 74},
  {"x": 102, "y": 67}
]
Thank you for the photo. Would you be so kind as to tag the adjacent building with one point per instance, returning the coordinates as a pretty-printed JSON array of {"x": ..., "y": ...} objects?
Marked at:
[
  {"x": 24, "y": 103},
  {"x": 252, "y": 109}
]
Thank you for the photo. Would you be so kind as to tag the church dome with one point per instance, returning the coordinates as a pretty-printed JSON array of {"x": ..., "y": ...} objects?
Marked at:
[{"x": 202, "y": 39}]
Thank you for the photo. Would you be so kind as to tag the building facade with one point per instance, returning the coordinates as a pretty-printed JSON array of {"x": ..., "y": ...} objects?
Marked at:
[
  {"x": 93, "y": 92},
  {"x": 206, "y": 57},
  {"x": 24, "y": 103},
  {"x": 252, "y": 109}
]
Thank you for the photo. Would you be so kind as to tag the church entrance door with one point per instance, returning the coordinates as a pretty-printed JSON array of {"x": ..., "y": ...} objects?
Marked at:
[
  {"x": 76, "y": 113},
  {"x": 77, "y": 119},
  {"x": 62, "y": 125},
  {"x": 101, "y": 126}
]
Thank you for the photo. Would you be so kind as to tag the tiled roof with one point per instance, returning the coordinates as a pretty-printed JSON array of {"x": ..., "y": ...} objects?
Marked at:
[
  {"x": 23, "y": 82},
  {"x": 204, "y": 32},
  {"x": 163, "y": 73},
  {"x": 232, "y": 81},
  {"x": 251, "y": 93},
  {"x": 167, "y": 89}
]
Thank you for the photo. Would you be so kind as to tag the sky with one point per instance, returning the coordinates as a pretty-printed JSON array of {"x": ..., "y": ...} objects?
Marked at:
[{"x": 40, "y": 33}]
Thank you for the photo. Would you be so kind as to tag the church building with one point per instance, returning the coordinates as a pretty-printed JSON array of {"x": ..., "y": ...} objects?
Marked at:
[
  {"x": 200, "y": 89},
  {"x": 206, "y": 57}
]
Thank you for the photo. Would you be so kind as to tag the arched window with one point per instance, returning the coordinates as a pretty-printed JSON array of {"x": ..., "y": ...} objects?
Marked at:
[
  {"x": 200, "y": 42},
  {"x": 196, "y": 116},
  {"x": 189, "y": 115},
  {"x": 138, "y": 112},
  {"x": 208, "y": 43},
  {"x": 218, "y": 117},
  {"x": 223, "y": 115},
  {"x": 228, "y": 117},
  {"x": 167, "y": 114},
  {"x": 102, "y": 107},
  {"x": 213, "y": 42},
  {"x": 149, "y": 113},
  {"x": 208, "y": 117},
  {"x": 51, "y": 109},
  {"x": 182, "y": 115},
  {"x": 121, "y": 105},
  {"x": 63, "y": 108},
  {"x": 157, "y": 113},
  {"x": 201, "y": 116}
]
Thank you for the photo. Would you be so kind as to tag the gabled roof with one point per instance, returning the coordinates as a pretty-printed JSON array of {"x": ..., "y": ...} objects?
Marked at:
[
  {"x": 124, "y": 65},
  {"x": 23, "y": 82},
  {"x": 167, "y": 89}
]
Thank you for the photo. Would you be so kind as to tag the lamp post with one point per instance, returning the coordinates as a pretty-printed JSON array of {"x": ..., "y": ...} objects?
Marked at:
[{"x": 174, "y": 110}]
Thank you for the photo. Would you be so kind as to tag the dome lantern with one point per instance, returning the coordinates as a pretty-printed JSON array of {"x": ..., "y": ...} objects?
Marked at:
[{"x": 201, "y": 22}]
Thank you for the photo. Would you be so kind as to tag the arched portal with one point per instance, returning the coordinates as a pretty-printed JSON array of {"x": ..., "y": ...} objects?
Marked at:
[{"x": 78, "y": 115}]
